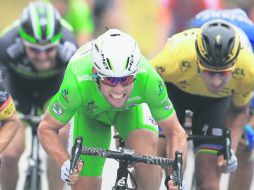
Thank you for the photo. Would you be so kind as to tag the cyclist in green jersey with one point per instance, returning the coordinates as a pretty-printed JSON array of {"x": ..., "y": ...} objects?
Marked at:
[{"x": 109, "y": 83}]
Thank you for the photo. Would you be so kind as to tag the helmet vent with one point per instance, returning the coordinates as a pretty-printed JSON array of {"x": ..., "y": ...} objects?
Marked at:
[
  {"x": 96, "y": 47},
  {"x": 109, "y": 63},
  {"x": 100, "y": 74},
  {"x": 97, "y": 65},
  {"x": 113, "y": 35},
  {"x": 127, "y": 64}
]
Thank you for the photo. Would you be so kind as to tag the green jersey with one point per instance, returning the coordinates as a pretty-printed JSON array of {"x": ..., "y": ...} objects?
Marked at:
[
  {"x": 80, "y": 92},
  {"x": 79, "y": 16}
]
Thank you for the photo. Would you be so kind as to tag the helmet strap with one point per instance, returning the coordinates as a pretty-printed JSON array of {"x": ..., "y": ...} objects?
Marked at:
[{"x": 95, "y": 76}]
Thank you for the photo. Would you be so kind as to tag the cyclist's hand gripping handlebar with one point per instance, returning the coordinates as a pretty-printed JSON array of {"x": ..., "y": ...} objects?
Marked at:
[
  {"x": 177, "y": 175},
  {"x": 229, "y": 153}
]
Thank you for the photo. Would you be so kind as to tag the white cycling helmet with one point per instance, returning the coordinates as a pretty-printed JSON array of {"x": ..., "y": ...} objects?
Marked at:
[{"x": 115, "y": 54}]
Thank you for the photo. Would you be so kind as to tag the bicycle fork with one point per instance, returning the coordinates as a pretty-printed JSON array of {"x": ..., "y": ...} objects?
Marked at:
[{"x": 122, "y": 176}]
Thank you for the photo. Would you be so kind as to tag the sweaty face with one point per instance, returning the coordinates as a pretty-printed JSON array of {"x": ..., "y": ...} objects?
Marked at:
[
  {"x": 116, "y": 95},
  {"x": 43, "y": 59},
  {"x": 215, "y": 81}
]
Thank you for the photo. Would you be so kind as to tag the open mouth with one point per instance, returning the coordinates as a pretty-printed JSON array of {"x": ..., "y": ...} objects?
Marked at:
[
  {"x": 217, "y": 88},
  {"x": 117, "y": 96}
]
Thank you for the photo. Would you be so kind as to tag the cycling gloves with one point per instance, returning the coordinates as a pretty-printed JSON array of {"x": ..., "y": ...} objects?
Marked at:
[
  {"x": 232, "y": 163},
  {"x": 65, "y": 171}
]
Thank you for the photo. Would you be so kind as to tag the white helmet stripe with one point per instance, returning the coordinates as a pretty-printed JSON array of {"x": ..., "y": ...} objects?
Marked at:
[
  {"x": 51, "y": 21},
  {"x": 34, "y": 20}
]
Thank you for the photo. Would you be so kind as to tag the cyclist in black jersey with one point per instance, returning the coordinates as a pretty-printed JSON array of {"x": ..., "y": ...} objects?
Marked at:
[{"x": 34, "y": 52}]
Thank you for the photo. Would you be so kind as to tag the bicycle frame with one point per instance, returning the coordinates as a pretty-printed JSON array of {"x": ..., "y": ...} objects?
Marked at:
[
  {"x": 126, "y": 157},
  {"x": 123, "y": 171},
  {"x": 33, "y": 172}
]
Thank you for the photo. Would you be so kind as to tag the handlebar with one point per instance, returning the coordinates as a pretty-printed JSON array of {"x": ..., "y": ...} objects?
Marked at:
[
  {"x": 31, "y": 118},
  {"x": 129, "y": 156},
  {"x": 225, "y": 137},
  {"x": 34, "y": 117}
]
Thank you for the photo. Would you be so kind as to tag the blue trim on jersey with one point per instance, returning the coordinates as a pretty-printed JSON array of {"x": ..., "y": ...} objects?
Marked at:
[
  {"x": 251, "y": 105},
  {"x": 236, "y": 17}
]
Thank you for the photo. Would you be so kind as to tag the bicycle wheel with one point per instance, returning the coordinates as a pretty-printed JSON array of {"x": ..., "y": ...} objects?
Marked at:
[
  {"x": 27, "y": 183},
  {"x": 33, "y": 180}
]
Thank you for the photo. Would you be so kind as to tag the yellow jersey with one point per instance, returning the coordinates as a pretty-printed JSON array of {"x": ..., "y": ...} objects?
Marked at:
[
  {"x": 177, "y": 64},
  {"x": 7, "y": 109}
]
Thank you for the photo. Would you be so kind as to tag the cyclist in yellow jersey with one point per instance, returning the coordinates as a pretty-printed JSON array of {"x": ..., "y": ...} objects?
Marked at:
[
  {"x": 34, "y": 54},
  {"x": 209, "y": 71},
  {"x": 9, "y": 120}
]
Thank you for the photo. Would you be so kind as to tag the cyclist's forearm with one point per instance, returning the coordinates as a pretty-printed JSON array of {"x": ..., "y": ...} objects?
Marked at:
[
  {"x": 8, "y": 131},
  {"x": 235, "y": 121},
  {"x": 175, "y": 136},
  {"x": 52, "y": 143},
  {"x": 176, "y": 142}
]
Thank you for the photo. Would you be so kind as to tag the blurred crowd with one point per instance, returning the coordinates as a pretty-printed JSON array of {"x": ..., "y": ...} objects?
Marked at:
[{"x": 151, "y": 22}]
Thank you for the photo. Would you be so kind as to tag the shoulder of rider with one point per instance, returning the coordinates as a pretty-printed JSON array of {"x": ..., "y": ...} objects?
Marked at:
[
  {"x": 11, "y": 46},
  {"x": 68, "y": 44}
]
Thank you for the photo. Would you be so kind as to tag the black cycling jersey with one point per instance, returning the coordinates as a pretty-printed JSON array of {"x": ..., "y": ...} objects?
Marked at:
[
  {"x": 13, "y": 56},
  {"x": 27, "y": 85},
  {"x": 208, "y": 112},
  {"x": 3, "y": 94}
]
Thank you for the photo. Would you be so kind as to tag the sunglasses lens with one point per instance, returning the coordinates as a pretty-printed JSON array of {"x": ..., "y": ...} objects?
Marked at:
[
  {"x": 212, "y": 73},
  {"x": 34, "y": 50},
  {"x": 38, "y": 50},
  {"x": 113, "y": 81},
  {"x": 48, "y": 50},
  {"x": 127, "y": 80}
]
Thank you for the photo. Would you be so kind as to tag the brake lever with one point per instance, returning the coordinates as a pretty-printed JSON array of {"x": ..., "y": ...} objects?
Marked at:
[
  {"x": 177, "y": 175},
  {"x": 75, "y": 153},
  {"x": 227, "y": 144}
]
